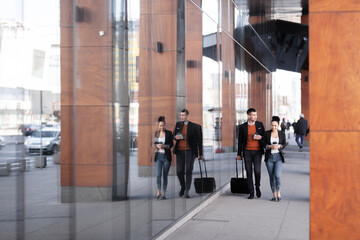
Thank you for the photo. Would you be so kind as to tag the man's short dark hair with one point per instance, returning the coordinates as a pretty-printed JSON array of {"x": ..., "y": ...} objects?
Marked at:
[
  {"x": 250, "y": 110},
  {"x": 185, "y": 111}
]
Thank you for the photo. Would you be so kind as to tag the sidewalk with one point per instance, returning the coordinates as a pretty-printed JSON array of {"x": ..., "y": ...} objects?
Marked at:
[
  {"x": 37, "y": 193},
  {"x": 235, "y": 217}
]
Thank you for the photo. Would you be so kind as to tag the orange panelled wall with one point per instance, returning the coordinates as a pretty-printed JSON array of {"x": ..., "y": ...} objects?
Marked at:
[
  {"x": 334, "y": 28},
  {"x": 157, "y": 72},
  {"x": 258, "y": 94},
  {"x": 86, "y": 112},
  {"x": 193, "y": 52},
  {"x": 157, "y": 82},
  {"x": 228, "y": 77}
]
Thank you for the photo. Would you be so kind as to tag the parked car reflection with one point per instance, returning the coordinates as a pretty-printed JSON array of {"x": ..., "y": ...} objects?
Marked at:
[
  {"x": 47, "y": 140},
  {"x": 28, "y": 129},
  {"x": 52, "y": 125}
]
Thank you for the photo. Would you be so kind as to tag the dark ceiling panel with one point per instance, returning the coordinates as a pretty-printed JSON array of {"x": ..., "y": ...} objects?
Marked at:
[{"x": 276, "y": 44}]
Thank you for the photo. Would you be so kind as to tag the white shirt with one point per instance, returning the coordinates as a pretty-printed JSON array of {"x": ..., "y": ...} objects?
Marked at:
[
  {"x": 161, "y": 140},
  {"x": 272, "y": 139},
  {"x": 251, "y": 124}
]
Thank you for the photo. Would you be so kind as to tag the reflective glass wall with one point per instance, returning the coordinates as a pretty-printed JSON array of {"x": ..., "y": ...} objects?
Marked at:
[
  {"x": 186, "y": 54},
  {"x": 30, "y": 130},
  {"x": 122, "y": 64}
]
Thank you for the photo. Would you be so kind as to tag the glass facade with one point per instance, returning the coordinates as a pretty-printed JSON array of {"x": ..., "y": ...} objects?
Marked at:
[{"x": 123, "y": 64}]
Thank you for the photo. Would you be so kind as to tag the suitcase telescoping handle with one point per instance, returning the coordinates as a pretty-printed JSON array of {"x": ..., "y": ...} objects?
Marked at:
[
  {"x": 242, "y": 168},
  {"x": 201, "y": 169}
]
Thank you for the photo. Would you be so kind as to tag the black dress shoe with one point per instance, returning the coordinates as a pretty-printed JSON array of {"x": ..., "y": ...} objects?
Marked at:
[
  {"x": 258, "y": 192},
  {"x": 274, "y": 199},
  {"x": 186, "y": 194},
  {"x": 251, "y": 196},
  {"x": 181, "y": 193}
]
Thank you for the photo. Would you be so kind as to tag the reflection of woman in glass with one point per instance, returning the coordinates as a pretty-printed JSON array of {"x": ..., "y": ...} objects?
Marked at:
[
  {"x": 163, "y": 142},
  {"x": 274, "y": 140}
]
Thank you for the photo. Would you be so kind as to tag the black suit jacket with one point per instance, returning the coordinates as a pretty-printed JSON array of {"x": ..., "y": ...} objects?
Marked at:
[
  {"x": 243, "y": 136},
  {"x": 168, "y": 141},
  {"x": 266, "y": 141},
  {"x": 194, "y": 137}
]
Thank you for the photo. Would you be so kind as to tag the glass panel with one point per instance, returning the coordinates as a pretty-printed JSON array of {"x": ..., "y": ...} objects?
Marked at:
[
  {"x": 29, "y": 117},
  {"x": 122, "y": 67}
]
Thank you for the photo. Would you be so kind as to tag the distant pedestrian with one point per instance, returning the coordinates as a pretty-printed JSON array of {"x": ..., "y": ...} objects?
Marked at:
[
  {"x": 294, "y": 126},
  {"x": 163, "y": 143},
  {"x": 288, "y": 125},
  {"x": 274, "y": 142},
  {"x": 283, "y": 125},
  {"x": 301, "y": 129},
  {"x": 218, "y": 129}
]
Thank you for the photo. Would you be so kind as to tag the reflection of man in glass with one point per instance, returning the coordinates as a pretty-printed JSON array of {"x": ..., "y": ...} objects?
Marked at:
[
  {"x": 251, "y": 150},
  {"x": 188, "y": 146}
]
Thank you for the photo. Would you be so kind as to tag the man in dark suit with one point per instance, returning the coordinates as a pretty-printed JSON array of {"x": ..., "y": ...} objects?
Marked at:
[
  {"x": 188, "y": 146},
  {"x": 251, "y": 150}
]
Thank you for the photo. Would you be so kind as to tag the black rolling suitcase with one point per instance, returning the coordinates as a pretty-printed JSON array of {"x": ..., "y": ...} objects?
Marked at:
[
  {"x": 239, "y": 185},
  {"x": 204, "y": 184}
]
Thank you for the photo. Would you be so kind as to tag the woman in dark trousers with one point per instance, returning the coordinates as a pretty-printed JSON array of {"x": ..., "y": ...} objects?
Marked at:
[
  {"x": 274, "y": 141},
  {"x": 163, "y": 143}
]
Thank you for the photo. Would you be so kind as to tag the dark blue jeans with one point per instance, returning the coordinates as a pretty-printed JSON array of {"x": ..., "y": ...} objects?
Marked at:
[
  {"x": 162, "y": 168},
  {"x": 253, "y": 158},
  {"x": 300, "y": 140},
  {"x": 274, "y": 167}
]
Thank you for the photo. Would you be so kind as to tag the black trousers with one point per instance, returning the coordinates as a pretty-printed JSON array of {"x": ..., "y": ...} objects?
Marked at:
[
  {"x": 253, "y": 158},
  {"x": 184, "y": 166}
]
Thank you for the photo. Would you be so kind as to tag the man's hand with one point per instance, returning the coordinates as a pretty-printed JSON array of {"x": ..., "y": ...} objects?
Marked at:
[
  {"x": 258, "y": 137},
  {"x": 238, "y": 158},
  {"x": 178, "y": 137}
]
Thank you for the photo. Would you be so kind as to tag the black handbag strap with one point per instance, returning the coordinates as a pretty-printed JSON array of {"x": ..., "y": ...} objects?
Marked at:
[
  {"x": 201, "y": 175},
  {"x": 242, "y": 168}
]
